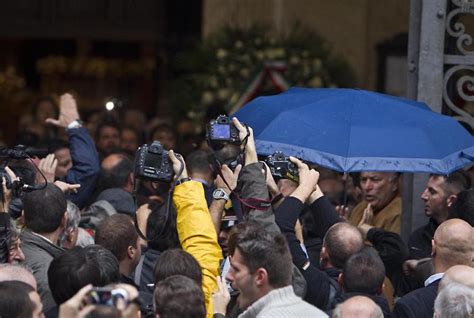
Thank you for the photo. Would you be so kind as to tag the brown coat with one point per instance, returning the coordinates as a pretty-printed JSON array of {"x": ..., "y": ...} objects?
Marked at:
[{"x": 388, "y": 218}]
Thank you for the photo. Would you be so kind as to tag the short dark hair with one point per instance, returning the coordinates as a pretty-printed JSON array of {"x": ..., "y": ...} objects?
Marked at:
[
  {"x": 103, "y": 311},
  {"x": 260, "y": 249},
  {"x": 341, "y": 241},
  {"x": 456, "y": 182},
  {"x": 44, "y": 209},
  {"x": 179, "y": 296},
  {"x": 463, "y": 207},
  {"x": 56, "y": 144},
  {"x": 177, "y": 262},
  {"x": 161, "y": 227},
  {"x": 117, "y": 176},
  {"x": 23, "y": 169},
  {"x": 78, "y": 267},
  {"x": 364, "y": 272},
  {"x": 116, "y": 233},
  {"x": 46, "y": 99},
  {"x": 163, "y": 128},
  {"x": 108, "y": 122},
  {"x": 198, "y": 161},
  {"x": 15, "y": 301}
]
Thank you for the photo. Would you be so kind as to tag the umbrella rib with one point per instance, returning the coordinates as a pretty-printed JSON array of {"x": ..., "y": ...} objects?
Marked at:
[{"x": 346, "y": 159}]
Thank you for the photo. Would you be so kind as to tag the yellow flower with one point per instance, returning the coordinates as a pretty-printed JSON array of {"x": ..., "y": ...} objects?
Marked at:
[
  {"x": 294, "y": 60},
  {"x": 207, "y": 98},
  {"x": 316, "y": 82},
  {"x": 317, "y": 64},
  {"x": 223, "y": 93},
  {"x": 213, "y": 83},
  {"x": 245, "y": 72},
  {"x": 221, "y": 54}
]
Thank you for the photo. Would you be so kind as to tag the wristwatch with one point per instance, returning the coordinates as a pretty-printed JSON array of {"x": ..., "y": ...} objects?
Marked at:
[
  {"x": 220, "y": 194},
  {"x": 75, "y": 124}
]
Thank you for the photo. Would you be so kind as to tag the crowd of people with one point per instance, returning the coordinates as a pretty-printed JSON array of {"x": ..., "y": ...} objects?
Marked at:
[{"x": 84, "y": 233}]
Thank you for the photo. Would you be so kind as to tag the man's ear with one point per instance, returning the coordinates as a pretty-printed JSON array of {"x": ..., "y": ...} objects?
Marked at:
[
  {"x": 433, "y": 248},
  {"x": 261, "y": 277},
  {"x": 340, "y": 280},
  {"x": 380, "y": 289},
  {"x": 323, "y": 254},
  {"x": 131, "y": 252},
  {"x": 451, "y": 199},
  {"x": 64, "y": 220}
]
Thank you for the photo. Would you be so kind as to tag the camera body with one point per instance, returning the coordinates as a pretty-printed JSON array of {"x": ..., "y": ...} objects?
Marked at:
[
  {"x": 281, "y": 167},
  {"x": 107, "y": 296},
  {"x": 222, "y": 130},
  {"x": 152, "y": 163}
]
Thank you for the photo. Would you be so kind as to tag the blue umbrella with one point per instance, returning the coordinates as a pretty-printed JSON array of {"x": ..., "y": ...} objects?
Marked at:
[{"x": 356, "y": 130}]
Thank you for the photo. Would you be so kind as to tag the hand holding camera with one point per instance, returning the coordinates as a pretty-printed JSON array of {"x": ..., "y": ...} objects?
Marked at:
[
  {"x": 281, "y": 167},
  {"x": 246, "y": 133},
  {"x": 122, "y": 296},
  {"x": 308, "y": 180},
  {"x": 179, "y": 166},
  {"x": 7, "y": 177}
]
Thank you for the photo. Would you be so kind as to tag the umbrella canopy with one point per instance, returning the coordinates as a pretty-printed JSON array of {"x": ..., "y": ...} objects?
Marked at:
[{"x": 356, "y": 130}]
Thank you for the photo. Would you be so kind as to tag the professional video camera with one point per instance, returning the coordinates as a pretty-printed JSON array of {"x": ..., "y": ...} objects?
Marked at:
[
  {"x": 281, "y": 167},
  {"x": 23, "y": 152},
  {"x": 221, "y": 131},
  {"x": 152, "y": 163},
  {"x": 19, "y": 152}
]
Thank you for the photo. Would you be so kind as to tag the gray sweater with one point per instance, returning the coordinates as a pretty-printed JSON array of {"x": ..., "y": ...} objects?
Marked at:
[
  {"x": 281, "y": 302},
  {"x": 39, "y": 253}
]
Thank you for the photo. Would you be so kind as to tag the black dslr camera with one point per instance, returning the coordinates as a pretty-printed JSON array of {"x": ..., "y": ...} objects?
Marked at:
[
  {"x": 222, "y": 130},
  {"x": 281, "y": 167},
  {"x": 152, "y": 163},
  {"x": 16, "y": 187}
]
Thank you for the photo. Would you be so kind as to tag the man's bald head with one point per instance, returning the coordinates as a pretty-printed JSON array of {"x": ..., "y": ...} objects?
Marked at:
[
  {"x": 460, "y": 274},
  {"x": 17, "y": 272},
  {"x": 116, "y": 172},
  {"x": 358, "y": 306},
  {"x": 111, "y": 161},
  {"x": 341, "y": 241},
  {"x": 452, "y": 245}
]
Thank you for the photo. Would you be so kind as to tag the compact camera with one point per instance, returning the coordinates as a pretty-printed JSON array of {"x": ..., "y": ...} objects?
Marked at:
[
  {"x": 222, "y": 130},
  {"x": 107, "y": 296},
  {"x": 152, "y": 163},
  {"x": 281, "y": 167}
]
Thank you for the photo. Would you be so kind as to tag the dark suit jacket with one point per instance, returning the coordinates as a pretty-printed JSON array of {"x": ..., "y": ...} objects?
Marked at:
[
  {"x": 418, "y": 303},
  {"x": 419, "y": 243}
]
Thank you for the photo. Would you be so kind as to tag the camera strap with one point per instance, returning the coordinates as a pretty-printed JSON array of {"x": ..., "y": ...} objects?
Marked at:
[
  {"x": 168, "y": 203},
  {"x": 249, "y": 203}
]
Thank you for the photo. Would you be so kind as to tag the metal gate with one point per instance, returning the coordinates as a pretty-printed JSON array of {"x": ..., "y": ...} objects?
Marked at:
[{"x": 441, "y": 74}]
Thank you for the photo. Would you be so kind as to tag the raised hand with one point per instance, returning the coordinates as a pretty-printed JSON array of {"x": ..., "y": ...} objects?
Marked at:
[
  {"x": 221, "y": 297},
  {"x": 66, "y": 187},
  {"x": 67, "y": 112},
  {"x": 47, "y": 166},
  {"x": 7, "y": 193},
  {"x": 343, "y": 212},
  {"x": 77, "y": 305},
  {"x": 177, "y": 165},
  {"x": 250, "y": 149},
  {"x": 365, "y": 222},
  {"x": 230, "y": 177},
  {"x": 368, "y": 216},
  {"x": 271, "y": 184},
  {"x": 308, "y": 179}
]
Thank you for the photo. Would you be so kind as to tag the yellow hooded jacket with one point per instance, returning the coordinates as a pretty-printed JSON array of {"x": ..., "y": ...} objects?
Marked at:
[{"x": 197, "y": 235}]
